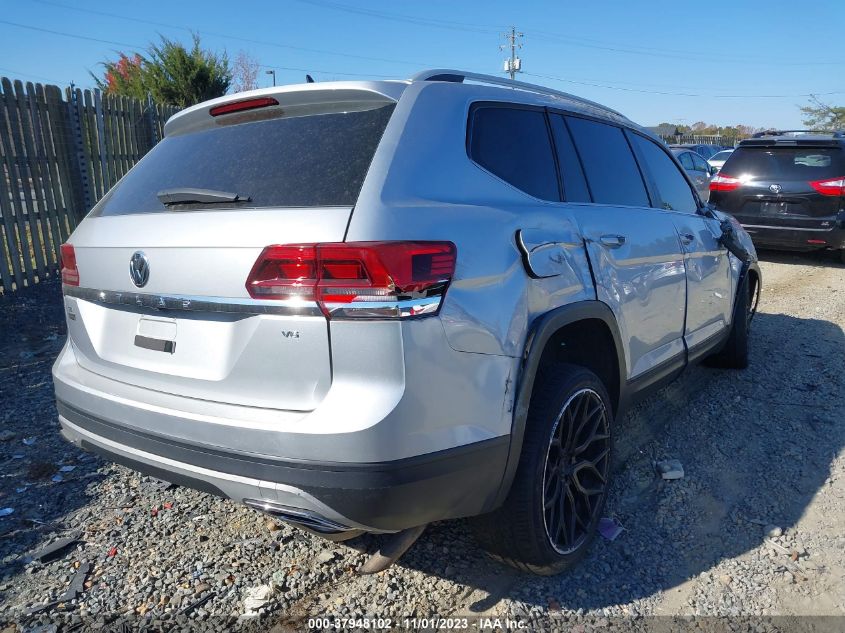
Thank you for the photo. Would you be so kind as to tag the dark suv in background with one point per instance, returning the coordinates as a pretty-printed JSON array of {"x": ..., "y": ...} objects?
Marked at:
[{"x": 787, "y": 188}]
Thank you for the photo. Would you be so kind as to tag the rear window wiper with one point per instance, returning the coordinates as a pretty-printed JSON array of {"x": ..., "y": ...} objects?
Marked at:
[{"x": 192, "y": 195}]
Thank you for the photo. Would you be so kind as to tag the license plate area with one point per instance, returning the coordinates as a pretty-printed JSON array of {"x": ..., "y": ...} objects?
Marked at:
[
  {"x": 156, "y": 334},
  {"x": 774, "y": 208}
]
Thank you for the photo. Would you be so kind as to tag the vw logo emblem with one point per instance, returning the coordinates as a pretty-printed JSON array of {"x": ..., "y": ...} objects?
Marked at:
[
  {"x": 139, "y": 269},
  {"x": 775, "y": 188}
]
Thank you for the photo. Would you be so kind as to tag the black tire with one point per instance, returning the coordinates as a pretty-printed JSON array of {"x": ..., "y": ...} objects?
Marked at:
[
  {"x": 517, "y": 533},
  {"x": 734, "y": 355}
]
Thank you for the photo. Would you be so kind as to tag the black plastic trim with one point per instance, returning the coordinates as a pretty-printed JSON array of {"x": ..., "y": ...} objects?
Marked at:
[
  {"x": 391, "y": 495},
  {"x": 542, "y": 329}
]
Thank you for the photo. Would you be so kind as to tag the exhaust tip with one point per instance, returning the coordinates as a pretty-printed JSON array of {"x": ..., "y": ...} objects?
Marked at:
[{"x": 302, "y": 518}]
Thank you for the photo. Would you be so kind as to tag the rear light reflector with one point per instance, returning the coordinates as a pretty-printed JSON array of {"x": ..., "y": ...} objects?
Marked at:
[
  {"x": 70, "y": 273},
  {"x": 723, "y": 182},
  {"x": 357, "y": 279},
  {"x": 244, "y": 104},
  {"x": 816, "y": 242},
  {"x": 830, "y": 186}
]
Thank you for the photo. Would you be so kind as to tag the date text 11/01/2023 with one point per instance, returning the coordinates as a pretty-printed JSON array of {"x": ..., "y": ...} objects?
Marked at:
[{"x": 428, "y": 624}]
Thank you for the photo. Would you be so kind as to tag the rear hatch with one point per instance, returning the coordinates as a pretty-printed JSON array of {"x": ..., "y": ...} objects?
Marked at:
[
  {"x": 164, "y": 257},
  {"x": 782, "y": 185}
]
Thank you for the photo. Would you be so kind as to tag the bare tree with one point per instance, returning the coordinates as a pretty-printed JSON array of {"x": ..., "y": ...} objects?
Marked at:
[{"x": 244, "y": 72}]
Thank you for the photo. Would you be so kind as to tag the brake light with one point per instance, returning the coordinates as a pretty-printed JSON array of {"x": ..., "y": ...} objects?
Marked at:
[
  {"x": 357, "y": 279},
  {"x": 244, "y": 104},
  {"x": 70, "y": 273},
  {"x": 723, "y": 182},
  {"x": 829, "y": 187}
]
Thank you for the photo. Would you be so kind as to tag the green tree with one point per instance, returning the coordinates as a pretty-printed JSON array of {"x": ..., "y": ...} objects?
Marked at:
[
  {"x": 170, "y": 72},
  {"x": 819, "y": 116}
]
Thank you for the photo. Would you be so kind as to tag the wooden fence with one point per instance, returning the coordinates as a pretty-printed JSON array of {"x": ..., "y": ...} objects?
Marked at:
[{"x": 60, "y": 152}]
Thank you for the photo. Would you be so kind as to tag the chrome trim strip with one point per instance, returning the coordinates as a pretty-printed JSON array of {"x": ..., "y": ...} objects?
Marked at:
[
  {"x": 405, "y": 308},
  {"x": 789, "y": 228},
  {"x": 187, "y": 303}
]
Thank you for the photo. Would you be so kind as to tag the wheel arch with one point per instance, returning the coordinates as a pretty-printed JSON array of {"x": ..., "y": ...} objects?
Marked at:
[{"x": 548, "y": 334}]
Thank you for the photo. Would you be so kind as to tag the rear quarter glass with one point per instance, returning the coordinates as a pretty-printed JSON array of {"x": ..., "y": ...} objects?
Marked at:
[
  {"x": 786, "y": 164},
  {"x": 317, "y": 160}
]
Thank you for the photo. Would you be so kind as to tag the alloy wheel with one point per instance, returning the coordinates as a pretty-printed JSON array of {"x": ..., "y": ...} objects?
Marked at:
[{"x": 576, "y": 470}]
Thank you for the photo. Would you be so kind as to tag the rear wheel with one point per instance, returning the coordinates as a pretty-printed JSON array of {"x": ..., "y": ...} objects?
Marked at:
[
  {"x": 551, "y": 513},
  {"x": 734, "y": 355}
]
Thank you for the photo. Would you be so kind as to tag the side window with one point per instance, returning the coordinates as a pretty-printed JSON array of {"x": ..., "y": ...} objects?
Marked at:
[
  {"x": 514, "y": 144},
  {"x": 686, "y": 160},
  {"x": 699, "y": 164},
  {"x": 673, "y": 188},
  {"x": 609, "y": 165},
  {"x": 574, "y": 184}
]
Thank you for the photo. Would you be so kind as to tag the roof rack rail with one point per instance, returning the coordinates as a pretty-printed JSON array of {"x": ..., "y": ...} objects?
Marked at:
[
  {"x": 459, "y": 76},
  {"x": 834, "y": 133}
]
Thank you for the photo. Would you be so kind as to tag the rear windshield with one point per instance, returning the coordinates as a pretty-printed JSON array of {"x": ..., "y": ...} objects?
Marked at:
[
  {"x": 307, "y": 161},
  {"x": 786, "y": 163}
]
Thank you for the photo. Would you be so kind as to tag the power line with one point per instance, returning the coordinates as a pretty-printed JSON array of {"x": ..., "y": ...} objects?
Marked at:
[
  {"x": 681, "y": 94},
  {"x": 64, "y": 34},
  {"x": 409, "y": 19},
  {"x": 236, "y": 38},
  {"x": 555, "y": 37},
  {"x": 23, "y": 74}
]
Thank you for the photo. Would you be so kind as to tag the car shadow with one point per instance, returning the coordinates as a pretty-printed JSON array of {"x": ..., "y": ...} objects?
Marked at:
[
  {"x": 756, "y": 444},
  {"x": 826, "y": 259}
]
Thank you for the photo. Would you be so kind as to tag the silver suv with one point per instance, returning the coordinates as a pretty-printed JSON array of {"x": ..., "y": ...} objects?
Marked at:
[{"x": 366, "y": 306}]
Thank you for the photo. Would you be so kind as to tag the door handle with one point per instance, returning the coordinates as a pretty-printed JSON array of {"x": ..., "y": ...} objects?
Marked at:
[
  {"x": 612, "y": 241},
  {"x": 687, "y": 238}
]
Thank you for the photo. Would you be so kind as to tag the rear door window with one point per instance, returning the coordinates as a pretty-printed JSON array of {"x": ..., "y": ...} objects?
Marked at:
[
  {"x": 572, "y": 174},
  {"x": 698, "y": 163},
  {"x": 305, "y": 161},
  {"x": 672, "y": 186},
  {"x": 786, "y": 163},
  {"x": 514, "y": 144},
  {"x": 609, "y": 165}
]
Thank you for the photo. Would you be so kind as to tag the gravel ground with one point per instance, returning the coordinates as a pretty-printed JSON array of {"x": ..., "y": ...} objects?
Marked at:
[{"x": 753, "y": 529}]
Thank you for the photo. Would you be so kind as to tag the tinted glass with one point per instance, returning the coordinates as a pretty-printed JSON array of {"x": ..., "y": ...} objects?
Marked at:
[
  {"x": 514, "y": 144},
  {"x": 674, "y": 190},
  {"x": 787, "y": 163},
  {"x": 686, "y": 159},
  {"x": 608, "y": 163},
  {"x": 698, "y": 163},
  {"x": 315, "y": 160},
  {"x": 574, "y": 183},
  {"x": 721, "y": 155}
]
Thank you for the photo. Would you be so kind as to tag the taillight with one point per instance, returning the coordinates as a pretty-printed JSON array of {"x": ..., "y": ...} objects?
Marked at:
[
  {"x": 723, "y": 182},
  {"x": 70, "y": 273},
  {"x": 357, "y": 279},
  {"x": 829, "y": 187},
  {"x": 244, "y": 104}
]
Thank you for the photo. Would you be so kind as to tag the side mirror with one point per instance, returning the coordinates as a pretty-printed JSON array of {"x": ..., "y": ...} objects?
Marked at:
[{"x": 712, "y": 169}]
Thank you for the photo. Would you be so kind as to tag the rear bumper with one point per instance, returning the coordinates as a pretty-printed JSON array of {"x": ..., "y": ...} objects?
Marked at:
[
  {"x": 348, "y": 465},
  {"x": 376, "y": 497},
  {"x": 796, "y": 238}
]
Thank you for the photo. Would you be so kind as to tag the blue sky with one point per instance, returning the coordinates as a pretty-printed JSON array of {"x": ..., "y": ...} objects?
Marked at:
[{"x": 725, "y": 62}]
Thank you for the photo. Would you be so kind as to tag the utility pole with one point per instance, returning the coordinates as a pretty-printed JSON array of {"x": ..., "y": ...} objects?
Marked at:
[{"x": 514, "y": 64}]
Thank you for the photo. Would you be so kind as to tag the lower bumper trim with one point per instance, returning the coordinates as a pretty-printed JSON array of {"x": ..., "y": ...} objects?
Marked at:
[{"x": 383, "y": 496}]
